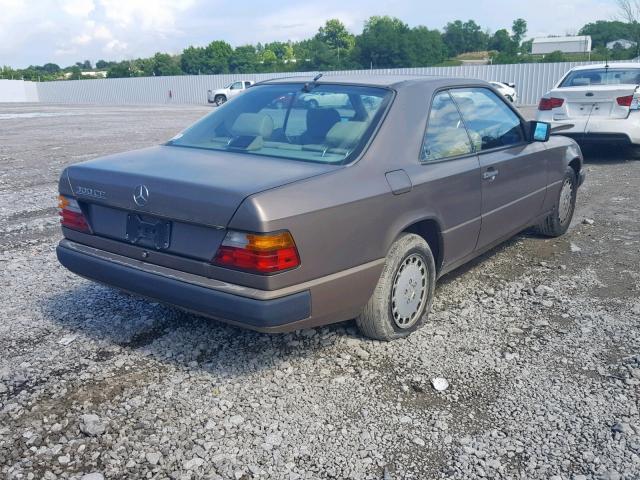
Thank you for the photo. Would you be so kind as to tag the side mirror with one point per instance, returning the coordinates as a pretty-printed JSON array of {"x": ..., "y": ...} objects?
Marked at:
[{"x": 539, "y": 131}]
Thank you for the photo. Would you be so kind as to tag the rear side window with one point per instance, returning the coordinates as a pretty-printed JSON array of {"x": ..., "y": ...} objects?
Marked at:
[
  {"x": 446, "y": 135},
  {"x": 491, "y": 123}
]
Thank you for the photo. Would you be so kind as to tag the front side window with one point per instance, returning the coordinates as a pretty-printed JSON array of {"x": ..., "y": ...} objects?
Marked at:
[
  {"x": 327, "y": 124},
  {"x": 491, "y": 123},
  {"x": 236, "y": 86},
  {"x": 446, "y": 135},
  {"x": 602, "y": 76}
]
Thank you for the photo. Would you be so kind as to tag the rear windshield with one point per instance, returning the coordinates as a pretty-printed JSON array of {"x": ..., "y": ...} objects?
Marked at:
[
  {"x": 602, "y": 76},
  {"x": 323, "y": 123}
]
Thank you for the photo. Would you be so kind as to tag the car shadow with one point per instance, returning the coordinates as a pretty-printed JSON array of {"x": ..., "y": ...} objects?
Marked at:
[
  {"x": 606, "y": 155},
  {"x": 116, "y": 319},
  {"x": 477, "y": 261}
]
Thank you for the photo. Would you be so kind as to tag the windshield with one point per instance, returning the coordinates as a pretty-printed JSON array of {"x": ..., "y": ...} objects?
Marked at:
[
  {"x": 328, "y": 124},
  {"x": 602, "y": 76}
]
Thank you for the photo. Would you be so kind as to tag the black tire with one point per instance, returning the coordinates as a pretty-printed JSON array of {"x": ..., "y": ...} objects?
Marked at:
[
  {"x": 633, "y": 152},
  {"x": 558, "y": 221},
  {"x": 381, "y": 319},
  {"x": 219, "y": 100}
]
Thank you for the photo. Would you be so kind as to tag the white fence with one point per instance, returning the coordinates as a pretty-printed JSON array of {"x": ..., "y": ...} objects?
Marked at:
[
  {"x": 532, "y": 81},
  {"x": 18, "y": 91}
]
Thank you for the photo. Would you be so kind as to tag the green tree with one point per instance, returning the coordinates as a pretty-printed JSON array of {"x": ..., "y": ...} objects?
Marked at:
[
  {"x": 268, "y": 59},
  {"x": 464, "y": 37},
  {"x": 384, "y": 43},
  {"x": 426, "y": 47},
  {"x": 50, "y": 68},
  {"x": 217, "y": 56},
  {"x": 338, "y": 41},
  {"x": 244, "y": 60},
  {"x": 165, "y": 65},
  {"x": 336, "y": 35},
  {"x": 605, "y": 31},
  {"x": 119, "y": 70},
  {"x": 76, "y": 73},
  {"x": 554, "y": 57},
  {"x": 502, "y": 42},
  {"x": 526, "y": 46},
  {"x": 193, "y": 61},
  {"x": 519, "y": 29}
]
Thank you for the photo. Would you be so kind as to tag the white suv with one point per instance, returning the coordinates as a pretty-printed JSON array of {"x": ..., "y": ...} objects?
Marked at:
[
  {"x": 221, "y": 95},
  {"x": 596, "y": 104}
]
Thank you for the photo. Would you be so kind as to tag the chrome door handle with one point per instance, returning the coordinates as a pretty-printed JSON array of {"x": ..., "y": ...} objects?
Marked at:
[{"x": 490, "y": 174}]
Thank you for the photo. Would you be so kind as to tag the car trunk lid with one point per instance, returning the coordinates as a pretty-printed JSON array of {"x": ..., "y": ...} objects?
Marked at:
[
  {"x": 193, "y": 185},
  {"x": 183, "y": 198},
  {"x": 595, "y": 101}
]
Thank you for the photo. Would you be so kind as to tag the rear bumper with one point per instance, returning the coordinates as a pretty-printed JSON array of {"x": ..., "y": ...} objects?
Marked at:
[
  {"x": 608, "y": 131},
  {"x": 253, "y": 313},
  {"x": 598, "y": 138},
  {"x": 333, "y": 298}
]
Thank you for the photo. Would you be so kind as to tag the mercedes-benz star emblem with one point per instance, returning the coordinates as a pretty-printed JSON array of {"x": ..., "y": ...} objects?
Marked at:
[{"x": 141, "y": 195}]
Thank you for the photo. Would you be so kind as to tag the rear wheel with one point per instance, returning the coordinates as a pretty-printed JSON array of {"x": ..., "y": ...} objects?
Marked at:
[
  {"x": 558, "y": 221},
  {"x": 220, "y": 99},
  {"x": 404, "y": 293}
]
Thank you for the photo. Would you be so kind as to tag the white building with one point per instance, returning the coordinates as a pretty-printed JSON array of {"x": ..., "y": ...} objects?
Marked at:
[
  {"x": 577, "y": 44},
  {"x": 623, "y": 42}
]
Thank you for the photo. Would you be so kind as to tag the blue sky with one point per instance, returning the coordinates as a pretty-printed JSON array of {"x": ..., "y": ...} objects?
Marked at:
[{"x": 66, "y": 31}]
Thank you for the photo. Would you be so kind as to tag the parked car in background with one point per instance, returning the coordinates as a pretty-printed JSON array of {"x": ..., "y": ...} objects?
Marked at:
[
  {"x": 596, "y": 104},
  {"x": 508, "y": 90},
  {"x": 312, "y": 100},
  {"x": 221, "y": 95},
  {"x": 284, "y": 219}
]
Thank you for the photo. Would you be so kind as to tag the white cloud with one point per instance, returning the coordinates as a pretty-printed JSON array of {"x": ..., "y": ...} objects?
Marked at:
[
  {"x": 115, "y": 46},
  {"x": 297, "y": 22},
  {"x": 67, "y": 31},
  {"x": 156, "y": 15},
  {"x": 78, "y": 8}
]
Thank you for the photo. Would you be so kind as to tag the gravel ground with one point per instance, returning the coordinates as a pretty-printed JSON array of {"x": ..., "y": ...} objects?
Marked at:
[{"x": 539, "y": 341}]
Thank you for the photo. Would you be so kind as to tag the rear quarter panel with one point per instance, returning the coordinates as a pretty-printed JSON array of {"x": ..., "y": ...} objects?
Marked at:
[{"x": 349, "y": 217}]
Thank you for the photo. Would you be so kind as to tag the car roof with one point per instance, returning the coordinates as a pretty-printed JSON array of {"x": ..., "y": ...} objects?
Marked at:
[
  {"x": 376, "y": 80},
  {"x": 610, "y": 65}
]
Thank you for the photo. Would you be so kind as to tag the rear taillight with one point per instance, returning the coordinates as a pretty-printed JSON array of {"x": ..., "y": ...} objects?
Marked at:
[
  {"x": 550, "y": 103},
  {"x": 71, "y": 215},
  {"x": 625, "y": 101},
  {"x": 258, "y": 252}
]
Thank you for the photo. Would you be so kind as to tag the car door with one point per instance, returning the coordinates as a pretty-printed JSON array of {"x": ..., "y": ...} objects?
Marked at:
[
  {"x": 447, "y": 179},
  {"x": 513, "y": 170},
  {"x": 235, "y": 89}
]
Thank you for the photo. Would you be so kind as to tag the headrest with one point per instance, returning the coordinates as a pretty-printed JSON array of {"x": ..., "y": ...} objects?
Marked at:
[
  {"x": 345, "y": 134},
  {"x": 253, "y": 125},
  {"x": 320, "y": 120}
]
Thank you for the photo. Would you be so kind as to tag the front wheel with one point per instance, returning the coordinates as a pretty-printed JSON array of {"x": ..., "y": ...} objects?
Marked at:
[
  {"x": 403, "y": 296},
  {"x": 559, "y": 219},
  {"x": 220, "y": 99}
]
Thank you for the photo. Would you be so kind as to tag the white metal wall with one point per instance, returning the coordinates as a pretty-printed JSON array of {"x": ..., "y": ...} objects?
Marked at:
[
  {"x": 18, "y": 91},
  {"x": 532, "y": 81}
]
